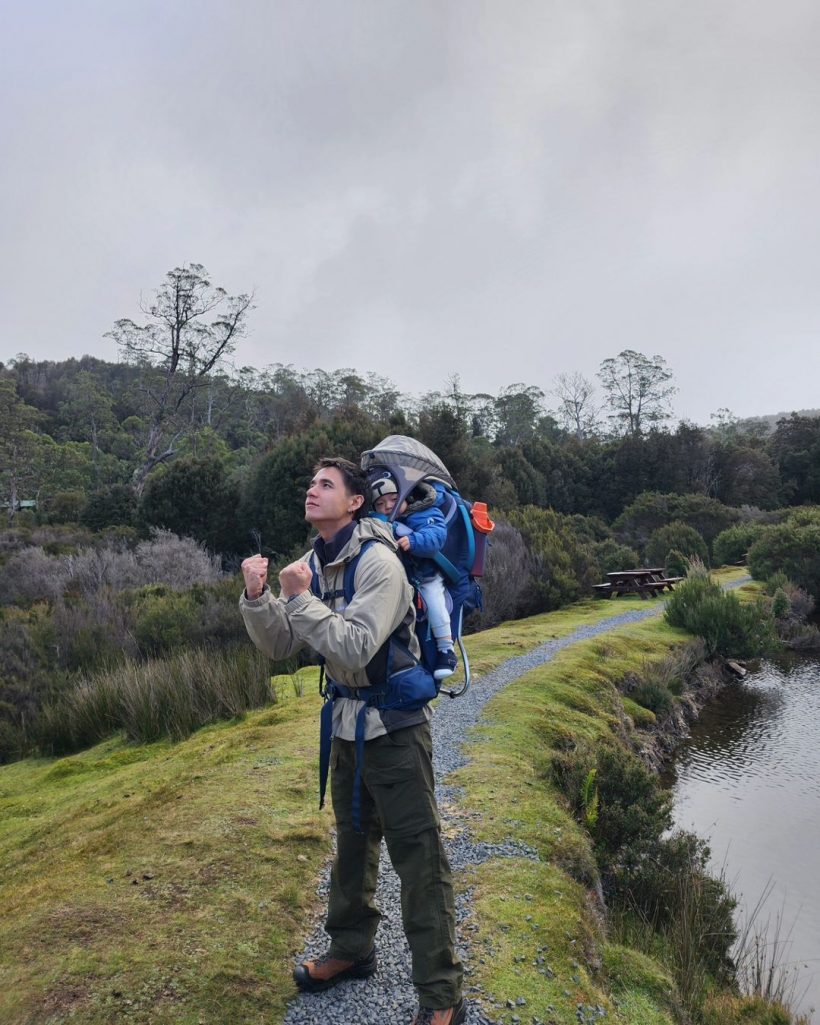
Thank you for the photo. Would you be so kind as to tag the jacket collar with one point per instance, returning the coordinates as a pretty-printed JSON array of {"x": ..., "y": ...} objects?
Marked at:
[
  {"x": 347, "y": 542},
  {"x": 328, "y": 551}
]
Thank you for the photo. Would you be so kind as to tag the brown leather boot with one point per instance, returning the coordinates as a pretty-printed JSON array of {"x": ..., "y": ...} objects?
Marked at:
[
  {"x": 325, "y": 971},
  {"x": 442, "y": 1016}
]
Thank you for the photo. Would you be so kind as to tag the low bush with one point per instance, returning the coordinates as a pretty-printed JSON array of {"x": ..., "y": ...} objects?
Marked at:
[
  {"x": 652, "y": 510},
  {"x": 652, "y": 694},
  {"x": 611, "y": 556},
  {"x": 110, "y": 506},
  {"x": 648, "y": 872},
  {"x": 11, "y": 742},
  {"x": 507, "y": 586},
  {"x": 163, "y": 619},
  {"x": 728, "y": 626},
  {"x": 792, "y": 548},
  {"x": 732, "y": 545},
  {"x": 66, "y": 507},
  {"x": 29, "y": 575},
  {"x": 679, "y": 537},
  {"x": 564, "y": 566}
]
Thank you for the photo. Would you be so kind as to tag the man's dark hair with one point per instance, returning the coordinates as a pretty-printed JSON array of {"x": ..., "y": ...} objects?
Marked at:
[{"x": 355, "y": 481}]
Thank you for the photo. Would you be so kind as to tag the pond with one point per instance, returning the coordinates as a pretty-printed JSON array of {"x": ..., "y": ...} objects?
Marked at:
[{"x": 748, "y": 779}]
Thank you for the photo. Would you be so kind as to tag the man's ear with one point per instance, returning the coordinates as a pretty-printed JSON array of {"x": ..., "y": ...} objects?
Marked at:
[{"x": 356, "y": 502}]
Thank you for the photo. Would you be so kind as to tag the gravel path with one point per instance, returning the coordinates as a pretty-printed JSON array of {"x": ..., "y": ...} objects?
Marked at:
[{"x": 388, "y": 996}]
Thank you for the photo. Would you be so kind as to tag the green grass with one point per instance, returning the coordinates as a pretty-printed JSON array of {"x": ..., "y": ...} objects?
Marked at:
[
  {"x": 508, "y": 795},
  {"x": 172, "y": 883},
  {"x": 168, "y": 883}
]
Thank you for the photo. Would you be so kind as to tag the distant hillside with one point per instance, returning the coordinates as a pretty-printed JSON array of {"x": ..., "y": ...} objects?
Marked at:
[{"x": 770, "y": 419}]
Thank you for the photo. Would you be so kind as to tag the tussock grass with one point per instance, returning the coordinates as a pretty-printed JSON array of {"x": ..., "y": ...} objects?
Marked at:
[{"x": 168, "y": 697}]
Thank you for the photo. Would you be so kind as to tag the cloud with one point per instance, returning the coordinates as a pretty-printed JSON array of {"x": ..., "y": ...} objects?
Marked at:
[{"x": 418, "y": 189}]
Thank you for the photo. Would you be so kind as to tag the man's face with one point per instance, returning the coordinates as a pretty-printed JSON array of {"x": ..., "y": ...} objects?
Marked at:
[{"x": 327, "y": 502}]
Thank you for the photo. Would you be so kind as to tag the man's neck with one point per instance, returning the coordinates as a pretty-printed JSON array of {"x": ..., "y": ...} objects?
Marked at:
[{"x": 327, "y": 531}]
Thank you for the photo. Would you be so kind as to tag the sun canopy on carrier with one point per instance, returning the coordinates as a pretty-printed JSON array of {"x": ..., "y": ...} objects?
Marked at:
[{"x": 408, "y": 461}]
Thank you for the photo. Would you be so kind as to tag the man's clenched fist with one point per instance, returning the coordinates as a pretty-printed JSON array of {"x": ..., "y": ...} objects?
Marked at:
[
  {"x": 295, "y": 578},
  {"x": 255, "y": 572}
]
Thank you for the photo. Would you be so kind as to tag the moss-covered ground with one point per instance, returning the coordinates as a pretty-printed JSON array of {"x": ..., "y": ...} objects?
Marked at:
[{"x": 173, "y": 883}]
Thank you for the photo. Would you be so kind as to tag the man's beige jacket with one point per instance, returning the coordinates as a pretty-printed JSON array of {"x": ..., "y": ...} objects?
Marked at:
[{"x": 353, "y": 639}]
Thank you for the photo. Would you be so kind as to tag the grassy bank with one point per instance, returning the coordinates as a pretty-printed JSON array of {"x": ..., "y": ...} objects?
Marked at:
[
  {"x": 543, "y": 949},
  {"x": 172, "y": 883}
]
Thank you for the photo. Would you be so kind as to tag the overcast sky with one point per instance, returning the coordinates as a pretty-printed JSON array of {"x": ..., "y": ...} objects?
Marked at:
[{"x": 506, "y": 190}]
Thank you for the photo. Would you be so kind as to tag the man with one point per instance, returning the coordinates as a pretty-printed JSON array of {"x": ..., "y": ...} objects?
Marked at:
[{"x": 395, "y": 784}]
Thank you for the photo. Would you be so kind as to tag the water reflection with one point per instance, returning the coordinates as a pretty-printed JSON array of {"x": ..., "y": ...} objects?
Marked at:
[{"x": 749, "y": 780}]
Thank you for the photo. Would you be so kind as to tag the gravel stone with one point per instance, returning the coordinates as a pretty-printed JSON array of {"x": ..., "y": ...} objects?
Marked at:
[{"x": 388, "y": 995}]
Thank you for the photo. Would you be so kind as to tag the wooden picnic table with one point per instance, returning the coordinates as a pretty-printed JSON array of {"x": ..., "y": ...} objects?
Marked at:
[{"x": 646, "y": 582}]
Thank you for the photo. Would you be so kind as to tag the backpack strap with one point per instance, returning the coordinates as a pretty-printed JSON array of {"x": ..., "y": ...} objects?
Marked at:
[
  {"x": 333, "y": 690},
  {"x": 370, "y": 698},
  {"x": 316, "y": 586},
  {"x": 441, "y": 560}
]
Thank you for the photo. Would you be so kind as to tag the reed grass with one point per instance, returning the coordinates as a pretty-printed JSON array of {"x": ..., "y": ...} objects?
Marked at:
[{"x": 159, "y": 698}]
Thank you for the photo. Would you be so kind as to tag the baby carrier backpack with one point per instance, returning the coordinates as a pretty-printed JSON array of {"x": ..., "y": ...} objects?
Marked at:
[{"x": 461, "y": 560}]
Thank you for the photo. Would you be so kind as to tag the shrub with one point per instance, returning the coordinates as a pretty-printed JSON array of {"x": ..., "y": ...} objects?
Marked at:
[
  {"x": 806, "y": 516},
  {"x": 564, "y": 567},
  {"x": 11, "y": 742},
  {"x": 660, "y": 877},
  {"x": 178, "y": 562},
  {"x": 163, "y": 619},
  {"x": 781, "y": 606},
  {"x": 792, "y": 548},
  {"x": 803, "y": 637},
  {"x": 676, "y": 564},
  {"x": 678, "y": 537},
  {"x": 776, "y": 582},
  {"x": 652, "y": 510},
  {"x": 508, "y": 584},
  {"x": 109, "y": 506},
  {"x": 66, "y": 507},
  {"x": 802, "y": 603},
  {"x": 610, "y": 556},
  {"x": 652, "y": 694},
  {"x": 30, "y": 576},
  {"x": 194, "y": 498},
  {"x": 94, "y": 570},
  {"x": 732, "y": 545},
  {"x": 728, "y": 627},
  {"x": 86, "y": 636}
]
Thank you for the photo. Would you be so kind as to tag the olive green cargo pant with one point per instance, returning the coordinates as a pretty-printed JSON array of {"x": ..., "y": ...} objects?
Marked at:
[{"x": 397, "y": 802}]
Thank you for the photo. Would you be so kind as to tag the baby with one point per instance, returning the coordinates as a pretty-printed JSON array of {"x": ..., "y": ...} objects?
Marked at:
[{"x": 421, "y": 532}]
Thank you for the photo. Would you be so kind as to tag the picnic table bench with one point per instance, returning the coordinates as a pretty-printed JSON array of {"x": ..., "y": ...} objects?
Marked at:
[{"x": 646, "y": 582}]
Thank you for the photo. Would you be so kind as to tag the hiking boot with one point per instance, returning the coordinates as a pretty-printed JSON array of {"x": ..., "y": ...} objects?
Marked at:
[
  {"x": 446, "y": 663},
  {"x": 325, "y": 971},
  {"x": 443, "y": 1016}
]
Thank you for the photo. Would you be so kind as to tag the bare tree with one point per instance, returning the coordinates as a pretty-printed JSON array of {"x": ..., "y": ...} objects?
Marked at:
[
  {"x": 637, "y": 389},
  {"x": 178, "y": 349},
  {"x": 576, "y": 411}
]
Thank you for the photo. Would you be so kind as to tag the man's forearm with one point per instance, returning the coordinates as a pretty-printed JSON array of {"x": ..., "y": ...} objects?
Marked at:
[{"x": 268, "y": 626}]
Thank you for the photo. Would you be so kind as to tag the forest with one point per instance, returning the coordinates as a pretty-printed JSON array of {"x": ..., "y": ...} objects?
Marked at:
[{"x": 131, "y": 490}]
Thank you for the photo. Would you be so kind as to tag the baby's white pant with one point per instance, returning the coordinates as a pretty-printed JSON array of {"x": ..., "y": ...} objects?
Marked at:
[{"x": 433, "y": 593}]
